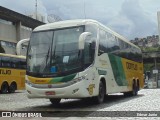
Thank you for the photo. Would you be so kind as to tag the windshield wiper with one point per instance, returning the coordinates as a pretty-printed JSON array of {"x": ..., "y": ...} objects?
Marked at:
[
  {"x": 43, "y": 66},
  {"x": 47, "y": 56}
]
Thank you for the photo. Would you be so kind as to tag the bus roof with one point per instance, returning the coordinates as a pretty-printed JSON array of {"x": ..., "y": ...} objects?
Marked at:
[
  {"x": 79, "y": 22},
  {"x": 15, "y": 56},
  {"x": 61, "y": 24}
]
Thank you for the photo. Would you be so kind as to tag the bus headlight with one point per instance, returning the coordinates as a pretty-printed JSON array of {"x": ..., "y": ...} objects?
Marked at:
[
  {"x": 28, "y": 82},
  {"x": 56, "y": 85},
  {"x": 78, "y": 79}
]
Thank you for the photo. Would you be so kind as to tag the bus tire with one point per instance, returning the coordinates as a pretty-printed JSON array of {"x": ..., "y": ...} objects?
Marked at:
[
  {"x": 101, "y": 95},
  {"x": 55, "y": 101},
  {"x": 138, "y": 87},
  {"x": 12, "y": 87},
  {"x": 4, "y": 88},
  {"x": 133, "y": 92},
  {"x": 126, "y": 94}
]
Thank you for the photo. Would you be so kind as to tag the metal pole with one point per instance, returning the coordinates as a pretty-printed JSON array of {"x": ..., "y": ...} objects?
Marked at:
[
  {"x": 84, "y": 9},
  {"x": 36, "y": 9},
  {"x": 155, "y": 62}
]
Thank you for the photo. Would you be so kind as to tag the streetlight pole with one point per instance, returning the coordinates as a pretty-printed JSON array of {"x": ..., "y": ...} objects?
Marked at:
[
  {"x": 36, "y": 9},
  {"x": 156, "y": 79}
]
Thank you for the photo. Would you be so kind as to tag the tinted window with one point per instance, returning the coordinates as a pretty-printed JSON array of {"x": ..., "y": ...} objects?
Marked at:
[
  {"x": 23, "y": 64},
  {"x": 102, "y": 42},
  {"x": 5, "y": 62},
  {"x": 112, "y": 43},
  {"x": 10, "y": 62},
  {"x": 129, "y": 52},
  {"x": 108, "y": 43},
  {"x": 15, "y": 63}
]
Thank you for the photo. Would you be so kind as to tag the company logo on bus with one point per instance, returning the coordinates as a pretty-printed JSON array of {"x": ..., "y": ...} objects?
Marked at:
[
  {"x": 40, "y": 81},
  {"x": 5, "y": 72},
  {"x": 131, "y": 66}
]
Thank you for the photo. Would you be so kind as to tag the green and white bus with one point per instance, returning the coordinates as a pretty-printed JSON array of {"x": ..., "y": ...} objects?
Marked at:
[{"x": 81, "y": 59}]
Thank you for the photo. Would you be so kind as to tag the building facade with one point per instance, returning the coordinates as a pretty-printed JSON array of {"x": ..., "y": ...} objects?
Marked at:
[
  {"x": 149, "y": 41},
  {"x": 14, "y": 27},
  {"x": 9, "y": 36}
]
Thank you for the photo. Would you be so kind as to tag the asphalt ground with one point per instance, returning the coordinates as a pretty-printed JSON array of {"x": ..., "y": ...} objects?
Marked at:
[{"x": 146, "y": 105}]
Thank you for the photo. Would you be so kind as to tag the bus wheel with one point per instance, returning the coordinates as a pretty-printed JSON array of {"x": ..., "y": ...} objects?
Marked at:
[
  {"x": 100, "y": 98},
  {"x": 138, "y": 87},
  {"x": 4, "y": 88},
  {"x": 55, "y": 101},
  {"x": 12, "y": 87},
  {"x": 135, "y": 90}
]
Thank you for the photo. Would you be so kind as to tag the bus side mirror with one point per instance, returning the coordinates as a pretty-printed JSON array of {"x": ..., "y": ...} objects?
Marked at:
[
  {"x": 82, "y": 39},
  {"x": 19, "y": 45}
]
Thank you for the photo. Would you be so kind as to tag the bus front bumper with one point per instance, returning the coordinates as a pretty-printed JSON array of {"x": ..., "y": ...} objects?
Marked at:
[{"x": 77, "y": 90}]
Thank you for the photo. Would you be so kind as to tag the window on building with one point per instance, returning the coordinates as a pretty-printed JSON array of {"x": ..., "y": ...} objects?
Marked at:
[{"x": 7, "y": 47}]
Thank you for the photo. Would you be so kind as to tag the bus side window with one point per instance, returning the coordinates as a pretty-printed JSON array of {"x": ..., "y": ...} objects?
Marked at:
[
  {"x": 112, "y": 43},
  {"x": 5, "y": 62},
  {"x": 90, "y": 44},
  {"x": 102, "y": 42},
  {"x": 15, "y": 63},
  {"x": 122, "y": 52},
  {"x": 23, "y": 64},
  {"x": 0, "y": 62},
  {"x": 136, "y": 55}
]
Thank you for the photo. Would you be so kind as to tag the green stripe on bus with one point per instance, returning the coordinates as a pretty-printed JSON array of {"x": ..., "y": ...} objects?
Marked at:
[
  {"x": 118, "y": 71},
  {"x": 63, "y": 79}
]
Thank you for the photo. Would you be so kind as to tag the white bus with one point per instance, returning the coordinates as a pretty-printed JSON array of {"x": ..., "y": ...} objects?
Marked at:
[{"x": 81, "y": 59}]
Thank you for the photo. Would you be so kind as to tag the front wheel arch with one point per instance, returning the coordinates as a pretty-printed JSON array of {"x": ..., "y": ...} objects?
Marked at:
[
  {"x": 4, "y": 87},
  {"x": 12, "y": 87},
  {"x": 101, "y": 92}
]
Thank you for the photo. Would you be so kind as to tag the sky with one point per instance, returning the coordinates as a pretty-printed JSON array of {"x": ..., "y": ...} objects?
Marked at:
[{"x": 130, "y": 18}]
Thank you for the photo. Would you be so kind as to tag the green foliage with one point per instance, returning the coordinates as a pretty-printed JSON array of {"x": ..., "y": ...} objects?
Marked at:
[
  {"x": 147, "y": 67},
  {"x": 150, "y": 49}
]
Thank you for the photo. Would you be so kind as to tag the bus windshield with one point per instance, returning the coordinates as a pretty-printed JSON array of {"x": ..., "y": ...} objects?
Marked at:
[{"x": 55, "y": 51}]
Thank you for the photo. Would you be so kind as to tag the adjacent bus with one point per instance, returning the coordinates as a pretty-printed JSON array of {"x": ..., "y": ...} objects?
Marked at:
[
  {"x": 12, "y": 73},
  {"x": 81, "y": 59}
]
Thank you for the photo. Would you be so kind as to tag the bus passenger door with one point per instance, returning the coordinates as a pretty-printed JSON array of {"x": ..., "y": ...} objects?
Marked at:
[{"x": 89, "y": 59}]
